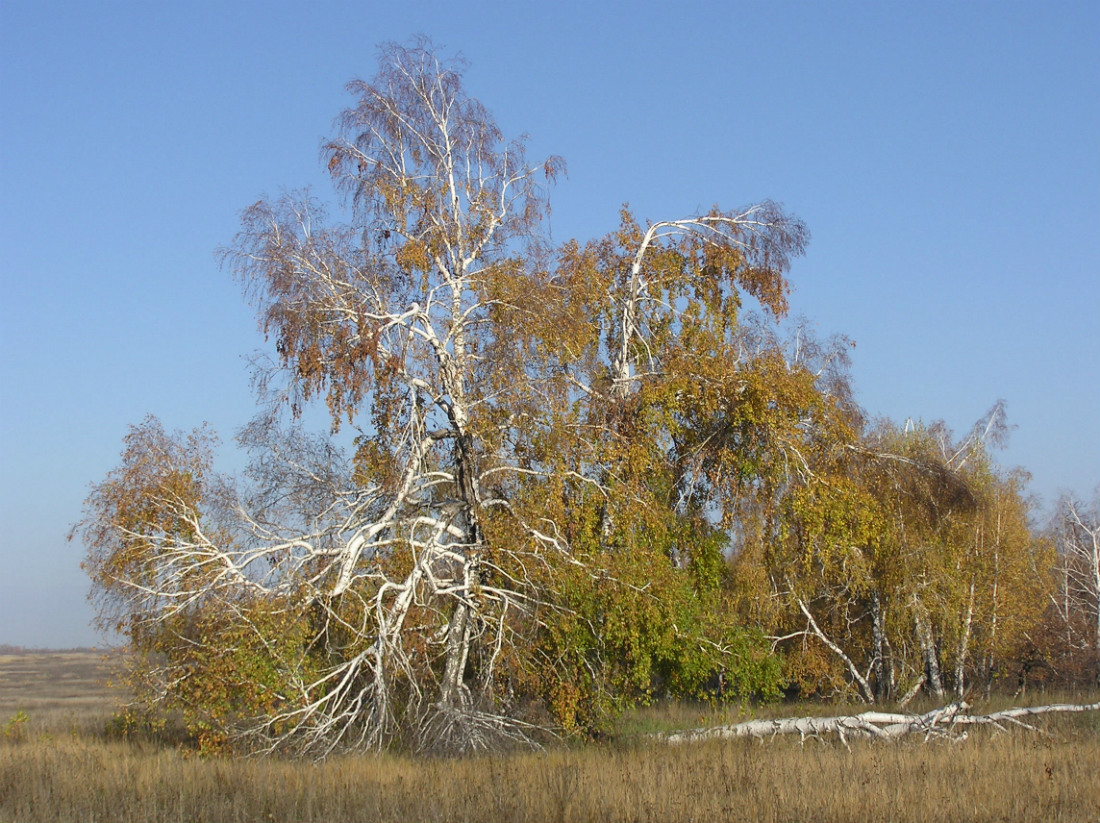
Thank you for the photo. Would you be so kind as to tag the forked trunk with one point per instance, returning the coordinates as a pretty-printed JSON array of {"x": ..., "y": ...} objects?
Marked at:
[
  {"x": 932, "y": 674},
  {"x": 453, "y": 691},
  {"x": 883, "y": 666}
]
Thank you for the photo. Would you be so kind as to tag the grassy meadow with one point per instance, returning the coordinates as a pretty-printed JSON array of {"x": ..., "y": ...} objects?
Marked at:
[{"x": 57, "y": 762}]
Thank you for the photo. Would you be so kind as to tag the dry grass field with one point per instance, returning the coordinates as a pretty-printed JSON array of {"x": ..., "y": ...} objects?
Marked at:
[
  {"x": 58, "y": 764},
  {"x": 57, "y": 689}
]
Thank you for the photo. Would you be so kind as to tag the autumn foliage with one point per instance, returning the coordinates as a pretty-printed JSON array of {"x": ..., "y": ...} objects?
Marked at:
[{"x": 583, "y": 477}]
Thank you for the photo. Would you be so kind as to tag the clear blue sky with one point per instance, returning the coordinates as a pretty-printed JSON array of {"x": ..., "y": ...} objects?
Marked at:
[{"x": 946, "y": 157}]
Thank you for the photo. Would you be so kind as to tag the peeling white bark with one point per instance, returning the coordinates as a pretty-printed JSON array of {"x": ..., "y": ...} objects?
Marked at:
[{"x": 947, "y": 722}]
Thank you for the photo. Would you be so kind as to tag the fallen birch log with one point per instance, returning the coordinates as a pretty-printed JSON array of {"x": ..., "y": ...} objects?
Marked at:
[{"x": 949, "y": 721}]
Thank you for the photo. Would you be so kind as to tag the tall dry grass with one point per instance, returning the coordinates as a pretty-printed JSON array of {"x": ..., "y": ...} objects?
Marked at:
[{"x": 66, "y": 772}]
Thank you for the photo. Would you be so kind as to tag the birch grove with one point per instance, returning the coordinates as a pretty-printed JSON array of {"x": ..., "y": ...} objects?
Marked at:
[{"x": 581, "y": 477}]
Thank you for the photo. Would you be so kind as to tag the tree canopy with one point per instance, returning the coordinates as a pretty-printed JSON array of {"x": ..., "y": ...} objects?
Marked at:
[{"x": 583, "y": 476}]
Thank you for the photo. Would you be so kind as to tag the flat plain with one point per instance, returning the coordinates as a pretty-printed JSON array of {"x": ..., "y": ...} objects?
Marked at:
[{"x": 58, "y": 761}]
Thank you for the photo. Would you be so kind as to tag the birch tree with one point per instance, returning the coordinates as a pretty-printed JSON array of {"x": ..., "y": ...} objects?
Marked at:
[
  {"x": 1077, "y": 597},
  {"x": 535, "y": 500},
  {"x": 906, "y": 563}
]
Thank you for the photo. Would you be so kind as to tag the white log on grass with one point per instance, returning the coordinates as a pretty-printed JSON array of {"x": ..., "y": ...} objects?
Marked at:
[{"x": 949, "y": 721}]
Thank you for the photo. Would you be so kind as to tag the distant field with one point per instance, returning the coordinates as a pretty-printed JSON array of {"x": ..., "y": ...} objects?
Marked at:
[
  {"x": 54, "y": 686},
  {"x": 62, "y": 766}
]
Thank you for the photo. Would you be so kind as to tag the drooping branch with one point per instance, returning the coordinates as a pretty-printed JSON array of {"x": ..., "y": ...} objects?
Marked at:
[
  {"x": 865, "y": 691},
  {"x": 750, "y": 249}
]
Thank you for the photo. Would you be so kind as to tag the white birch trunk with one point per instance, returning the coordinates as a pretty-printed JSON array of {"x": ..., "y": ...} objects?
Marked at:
[{"x": 949, "y": 721}]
